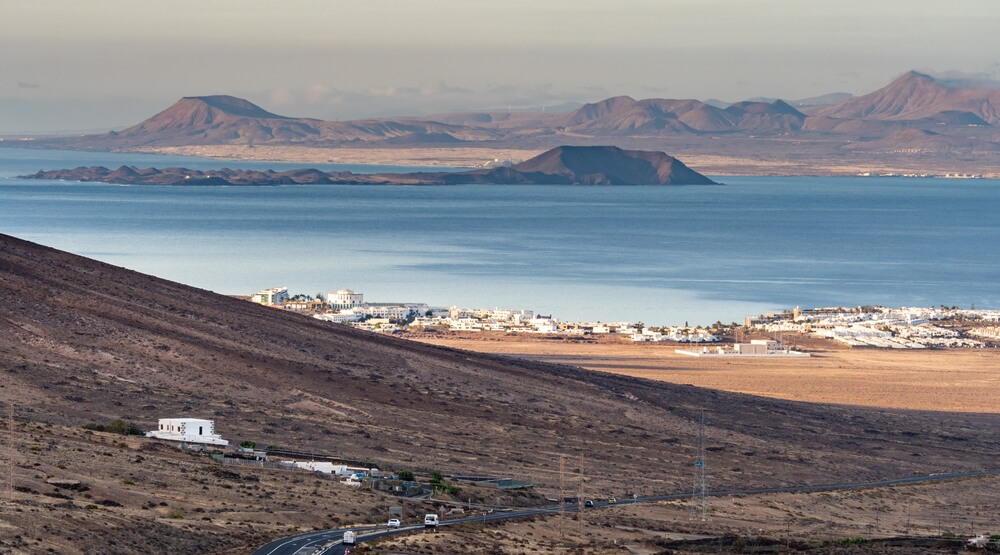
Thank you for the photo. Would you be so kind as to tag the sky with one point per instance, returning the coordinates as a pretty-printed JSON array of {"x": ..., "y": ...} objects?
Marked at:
[{"x": 67, "y": 65}]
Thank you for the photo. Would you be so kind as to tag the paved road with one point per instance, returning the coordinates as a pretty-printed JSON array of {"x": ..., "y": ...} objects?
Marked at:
[{"x": 327, "y": 542}]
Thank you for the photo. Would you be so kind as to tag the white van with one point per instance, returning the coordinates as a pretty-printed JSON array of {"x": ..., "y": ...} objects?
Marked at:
[
  {"x": 350, "y": 538},
  {"x": 430, "y": 520}
]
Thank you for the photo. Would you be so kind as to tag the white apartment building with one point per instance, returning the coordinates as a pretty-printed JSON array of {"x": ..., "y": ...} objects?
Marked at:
[
  {"x": 392, "y": 312},
  {"x": 340, "y": 317},
  {"x": 189, "y": 430},
  {"x": 755, "y": 348},
  {"x": 273, "y": 296},
  {"x": 516, "y": 316}
]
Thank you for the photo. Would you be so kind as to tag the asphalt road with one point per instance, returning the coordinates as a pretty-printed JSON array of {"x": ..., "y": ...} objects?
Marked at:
[{"x": 327, "y": 542}]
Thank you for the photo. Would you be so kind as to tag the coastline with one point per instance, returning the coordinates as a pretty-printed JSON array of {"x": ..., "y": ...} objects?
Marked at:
[{"x": 478, "y": 156}]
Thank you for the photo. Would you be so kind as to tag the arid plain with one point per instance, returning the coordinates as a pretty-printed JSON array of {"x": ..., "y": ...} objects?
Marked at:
[{"x": 959, "y": 380}]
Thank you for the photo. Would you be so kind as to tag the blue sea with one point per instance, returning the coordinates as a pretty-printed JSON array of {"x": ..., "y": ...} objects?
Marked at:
[{"x": 661, "y": 255}]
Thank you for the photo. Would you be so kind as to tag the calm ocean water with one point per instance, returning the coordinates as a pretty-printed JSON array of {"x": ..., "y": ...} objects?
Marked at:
[{"x": 656, "y": 254}]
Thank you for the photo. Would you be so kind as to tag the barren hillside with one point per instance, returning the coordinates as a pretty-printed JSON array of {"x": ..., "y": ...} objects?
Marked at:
[{"x": 82, "y": 340}]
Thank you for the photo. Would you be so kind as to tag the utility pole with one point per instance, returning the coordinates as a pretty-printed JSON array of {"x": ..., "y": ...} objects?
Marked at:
[
  {"x": 10, "y": 451},
  {"x": 699, "y": 492},
  {"x": 579, "y": 502},
  {"x": 562, "y": 495}
]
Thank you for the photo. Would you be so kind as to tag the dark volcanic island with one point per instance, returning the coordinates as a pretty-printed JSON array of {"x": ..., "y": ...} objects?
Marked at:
[{"x": 564, "y": 165}]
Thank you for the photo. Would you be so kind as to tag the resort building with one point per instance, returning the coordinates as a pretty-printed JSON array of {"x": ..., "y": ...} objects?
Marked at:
[
  {"x": 344, "y": 299},
  {"x": 273, "y": 296}
]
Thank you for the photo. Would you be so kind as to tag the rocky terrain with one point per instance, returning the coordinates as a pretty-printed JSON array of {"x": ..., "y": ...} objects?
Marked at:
[
  {"x": 929, "y": 518},
  {"x": 565, "y": 165},
  {"x": 82, "y": 341}
]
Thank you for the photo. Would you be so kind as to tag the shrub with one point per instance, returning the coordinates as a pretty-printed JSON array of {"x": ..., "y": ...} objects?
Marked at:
[
  {"x": 442, "y": 485},
  {"x": 116, "y": 426}
]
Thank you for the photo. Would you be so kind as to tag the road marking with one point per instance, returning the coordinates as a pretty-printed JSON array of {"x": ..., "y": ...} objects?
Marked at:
[
  {"x": 654, "y": 498},
  {"x": 295, "y": 539}
]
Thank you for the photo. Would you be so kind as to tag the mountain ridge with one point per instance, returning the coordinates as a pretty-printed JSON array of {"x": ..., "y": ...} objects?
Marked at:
[
  {"x": 757, "y": 129},
  {"x": 918, "y": 96}
]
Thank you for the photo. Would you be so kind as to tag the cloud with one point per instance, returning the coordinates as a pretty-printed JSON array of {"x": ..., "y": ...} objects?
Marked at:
[
  {"x": 955, "y": 78},
  {"x": 27, "y": 85},
  {"x": 324, "y": 100}
]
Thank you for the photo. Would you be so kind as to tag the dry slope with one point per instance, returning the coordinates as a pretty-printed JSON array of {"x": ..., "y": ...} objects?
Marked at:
[{"x": 81, "y": 340}]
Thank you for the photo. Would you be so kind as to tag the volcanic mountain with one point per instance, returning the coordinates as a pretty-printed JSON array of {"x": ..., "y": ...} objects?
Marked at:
[
  {"x": 917, "y": 96},
  {"x": 222, "y": 119},
  {"x": 565, "y": 165},
  {"x": 608, "y": 165},
  {"x": 624, "y": 115},
  {"x": 213, "y": 120}
]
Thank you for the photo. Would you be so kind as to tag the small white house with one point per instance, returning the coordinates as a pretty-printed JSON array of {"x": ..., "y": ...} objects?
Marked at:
[{"x": 190, "y": 430}]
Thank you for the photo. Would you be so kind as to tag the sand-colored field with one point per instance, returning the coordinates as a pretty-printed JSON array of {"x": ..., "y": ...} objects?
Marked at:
[
  {"x": 458, "y": 157},
  {"x": 965, "y": 380},
  {"x": 476, "y": 156}
]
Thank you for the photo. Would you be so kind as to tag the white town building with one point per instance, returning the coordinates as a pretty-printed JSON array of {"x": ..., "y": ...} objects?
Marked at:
[
  {"x": 341, "y": 317},
  {"x": 190, "y": 430},
  {"x": 345, "y": 298},
  {"x": 755, "y": 348},
  {"x": 273, "y": 296}
]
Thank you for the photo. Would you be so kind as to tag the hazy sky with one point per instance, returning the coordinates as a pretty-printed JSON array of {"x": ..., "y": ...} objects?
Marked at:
[{"x": 76, "y": 65}]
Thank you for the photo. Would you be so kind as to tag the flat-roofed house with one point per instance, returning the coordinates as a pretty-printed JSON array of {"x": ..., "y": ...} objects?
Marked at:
[{"x": 189, "y": 430}]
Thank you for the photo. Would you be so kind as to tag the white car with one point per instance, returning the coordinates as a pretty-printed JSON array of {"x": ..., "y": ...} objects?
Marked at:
[
  {"x": 394, "y": 523},
  {"x": 431, "y": 520}
]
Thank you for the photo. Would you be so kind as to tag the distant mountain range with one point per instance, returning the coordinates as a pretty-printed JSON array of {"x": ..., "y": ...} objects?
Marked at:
[
  {"x": 829, "y": 125},
  {"x": 567, "y": 165},
  {"x": 213, "y": 120}
]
